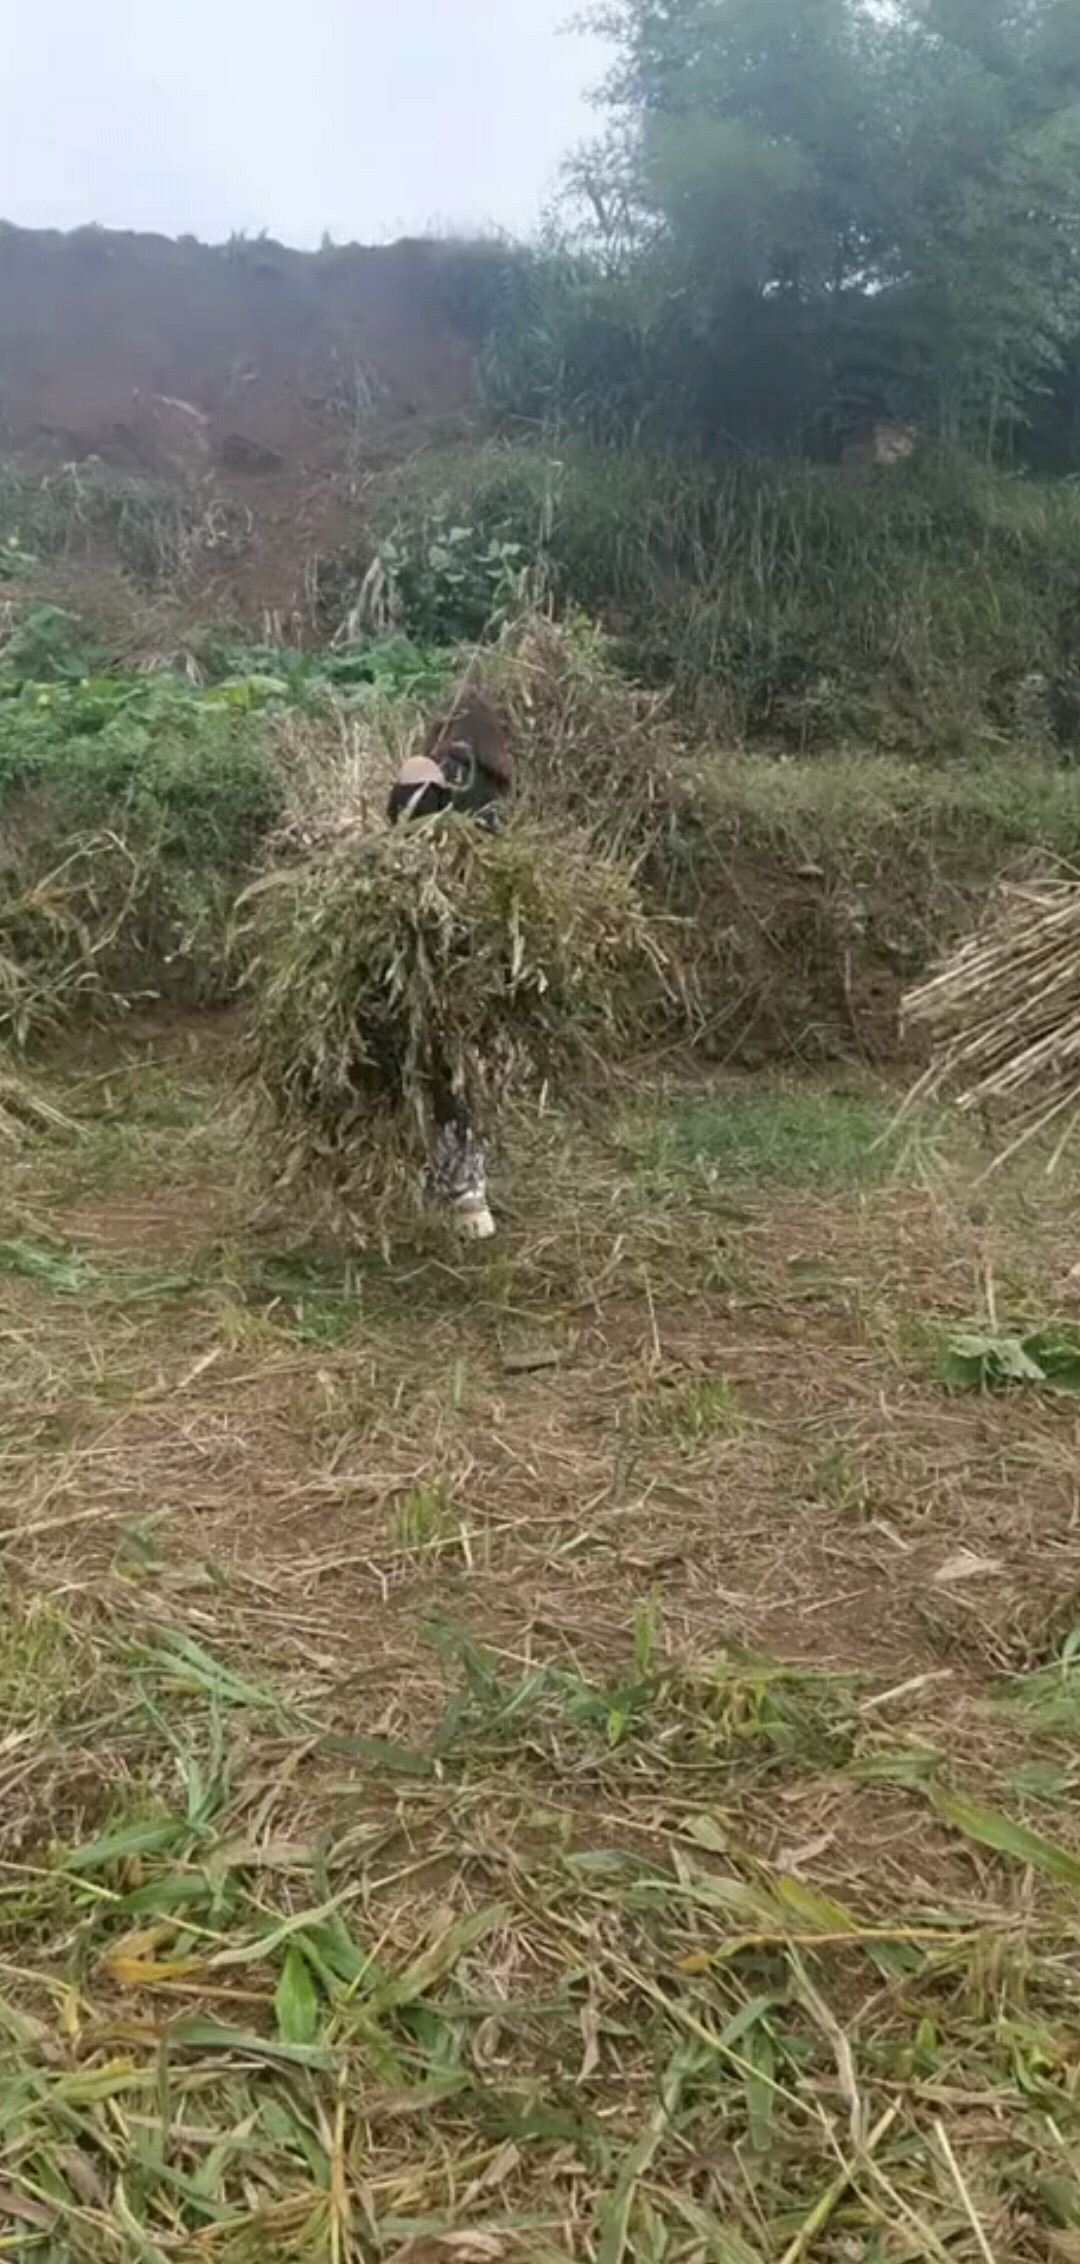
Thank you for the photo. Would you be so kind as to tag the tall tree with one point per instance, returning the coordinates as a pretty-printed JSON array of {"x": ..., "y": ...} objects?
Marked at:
[{"x": 834, "y": 205}]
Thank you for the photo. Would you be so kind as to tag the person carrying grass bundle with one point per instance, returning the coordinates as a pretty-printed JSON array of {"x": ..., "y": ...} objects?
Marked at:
[
  {"x": 408, "y": 982},
  {"x": 466, "y": 767}
]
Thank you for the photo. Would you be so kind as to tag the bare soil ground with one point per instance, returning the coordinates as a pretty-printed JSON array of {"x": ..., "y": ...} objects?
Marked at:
[
  {"x": 284, "y": 381},
  {"x": 560, "y": 1753}
]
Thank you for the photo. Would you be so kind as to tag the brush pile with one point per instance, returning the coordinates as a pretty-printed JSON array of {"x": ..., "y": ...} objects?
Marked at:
[
  {"x": 1003, "y": 1015},
  {"x": 437, "y": 953},
  {"x": 587, "y": 740}
]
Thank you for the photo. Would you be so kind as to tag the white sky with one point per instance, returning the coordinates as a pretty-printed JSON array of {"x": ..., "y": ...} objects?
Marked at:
[{"x": 370, "y": 118}]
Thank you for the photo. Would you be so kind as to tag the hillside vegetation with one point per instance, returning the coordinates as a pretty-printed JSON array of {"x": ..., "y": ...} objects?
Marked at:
[{"x": 137, "y": 806}]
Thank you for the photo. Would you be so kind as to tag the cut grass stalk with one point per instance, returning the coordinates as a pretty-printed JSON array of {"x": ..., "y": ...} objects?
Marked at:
[{"x": 1003, "y": 1017}]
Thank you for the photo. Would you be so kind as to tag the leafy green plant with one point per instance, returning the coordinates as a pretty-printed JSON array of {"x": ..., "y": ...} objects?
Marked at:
[
  {"x": 442, "y": 580},
  {"x": 15, "y": 559},
  {"x": 395, "y": 667},
  {"x": 49, "y": 643},
  {"x": 132, "y": 810},
  {"x": 976, "y": 1360}
]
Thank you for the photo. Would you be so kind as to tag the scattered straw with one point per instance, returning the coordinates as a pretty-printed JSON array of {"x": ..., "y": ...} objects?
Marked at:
[
  {"x": 1003, "y": 1015},
  {"x": 402, "y": 1852}
]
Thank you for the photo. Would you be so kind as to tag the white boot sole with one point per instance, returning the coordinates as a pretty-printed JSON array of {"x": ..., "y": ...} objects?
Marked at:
[{"x": 476, "y": 1225}]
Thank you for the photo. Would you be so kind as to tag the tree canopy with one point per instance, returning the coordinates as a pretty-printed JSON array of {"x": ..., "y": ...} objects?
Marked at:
[{"x": 803, "y": 213}]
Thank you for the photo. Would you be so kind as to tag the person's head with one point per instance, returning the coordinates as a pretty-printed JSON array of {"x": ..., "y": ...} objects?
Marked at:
[
  {"x": 471, "y": 748},
  {"x": 420, "y": 790},
  {"x": 465, "y": 766}
]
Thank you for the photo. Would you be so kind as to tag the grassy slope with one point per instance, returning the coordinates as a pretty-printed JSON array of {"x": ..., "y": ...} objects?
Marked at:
[
  {"x": 407, "y": 1846},
  {"x": 791, "y": 605},
  {"x": 899, "y": 616},
  {"x": 794, "y": 606}
]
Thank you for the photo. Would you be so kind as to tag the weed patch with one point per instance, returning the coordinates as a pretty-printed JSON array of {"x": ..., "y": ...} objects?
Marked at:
[
  {"x": 160, "y": 532},
  {"x": 132, "y": 810},
  {"x": 800, "y": 1138},
  {"x": 721, "y": 1989},
  {"x": 785, "y": 603}
]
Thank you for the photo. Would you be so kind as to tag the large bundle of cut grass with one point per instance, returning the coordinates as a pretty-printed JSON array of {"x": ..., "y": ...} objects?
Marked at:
[
  {"x": 585, "y": 739},
  {"x": 437, "y": 955},
  {"x": 1003, "y": 1014}
]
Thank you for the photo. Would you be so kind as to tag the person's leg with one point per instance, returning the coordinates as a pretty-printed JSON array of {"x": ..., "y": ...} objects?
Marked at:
[{"x": 458, "y": 1175}]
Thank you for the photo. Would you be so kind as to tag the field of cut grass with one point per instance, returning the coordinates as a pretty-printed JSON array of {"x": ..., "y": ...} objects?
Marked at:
[{"x": 567, "y": 1752}]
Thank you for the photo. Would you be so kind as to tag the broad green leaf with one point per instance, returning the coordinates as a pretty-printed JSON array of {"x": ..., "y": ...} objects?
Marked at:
[
  {"x": 296, "y": 1999},
  {"x": 211, "y": 2036},
  {"x": 911, "y": 1767},
  {"x": 748, "y": 2017},
  {"x": 1058, "y": 1356},
  {"x": 160, "y": 1838},
  {"x": 398, "y": 1760},
  {"x": 1006, "y": 1837},
  {"x": 970, "y": 1362},
  {"x": 812, "y": 1911},
  {"x": 758, "y": 2056}
]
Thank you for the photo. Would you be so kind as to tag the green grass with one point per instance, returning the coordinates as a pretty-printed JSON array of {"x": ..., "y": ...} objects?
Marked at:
[
  {"x": 692, "y": 1410},
  {"x": 1048, "y": 1700},
  {"x": 797, "y": 1137},
  {"x": 786, "y": 603},
  {"x": 261, "y": 1993}
]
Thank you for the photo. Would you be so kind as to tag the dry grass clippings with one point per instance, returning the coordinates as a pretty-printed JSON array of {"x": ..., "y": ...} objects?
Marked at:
[{"x": 411, "y": 1841}]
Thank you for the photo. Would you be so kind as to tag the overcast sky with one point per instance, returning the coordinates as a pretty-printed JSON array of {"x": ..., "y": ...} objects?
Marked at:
[{"x": 370, "y": 118}]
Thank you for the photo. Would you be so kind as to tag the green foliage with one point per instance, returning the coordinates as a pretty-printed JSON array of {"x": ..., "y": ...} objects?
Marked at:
[
  {"x": 352, "y": 674},
  {"x": 806, "y": 213},
  {"x": 693, "y": 1410},
  {"x": 48, "y": 642},
  {"x": 132, "y": 808},
  {"x": 443, "y": 581},
  {"x": 787, "y": 603},
  {"x": 1047, "y": 1357},
  {"x": 148, "y": 756},
  {"x": 15, "y": 560}
]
